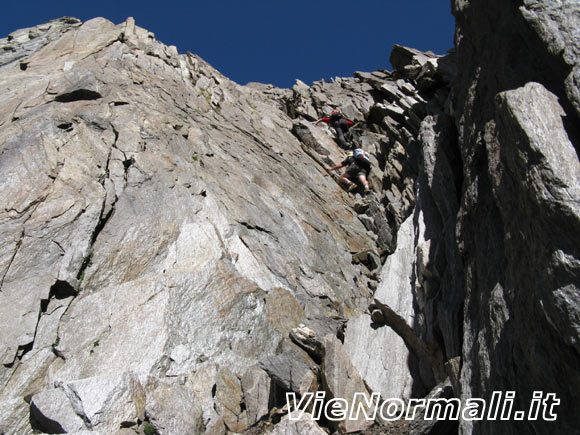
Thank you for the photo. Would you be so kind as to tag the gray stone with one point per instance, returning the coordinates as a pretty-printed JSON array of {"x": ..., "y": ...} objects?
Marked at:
[
  {"x": 15, "y": 414},
  {"x": 515, "y": 231},
  {"x": 256, "y": 388},
  {"x": 368, "y": 257},
  {"x": 391, "y": 91},
  {"x": 400, "y": 295},
  {"x": 302, "y": 102},
  {"x": 381, "y": 358},
  {"x": 308, "y": 340},
  {"x": 174, "y": 409},
  {"x": 228, "y": 401},
  {"x": 23, "y": 42},
  {"x": 291, "y": 368},
  {"x": 216, "y": 427},
  {"x": 319, "y": 145},
  {"x": 406, "y": 87},
  {"x": 54, "y": 412},
  {"x": 202, "y": 384},
  {"x": 128, "y": 248},
  {"x": 556, "y": 23},
  {"x": 397, "y": 286},
  {"x": 99, "y": 403},
  {"x": 61, "y": 247},
  {"x": 420, "y": 425},
  {"x": 409, "y": 61},
  {"x": 341, "y": 380},
  {"x": 440, "y": 265},
  {"x": 395, "y": 112},
  {"x": 306, "y": 425}
]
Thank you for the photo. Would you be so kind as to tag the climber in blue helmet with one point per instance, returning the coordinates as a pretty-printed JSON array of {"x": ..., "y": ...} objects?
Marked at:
[{"x": 358, "y": 168}]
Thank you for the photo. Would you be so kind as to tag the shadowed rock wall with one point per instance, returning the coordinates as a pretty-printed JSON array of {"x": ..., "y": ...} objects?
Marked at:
[{"x": 516, "y": 113}]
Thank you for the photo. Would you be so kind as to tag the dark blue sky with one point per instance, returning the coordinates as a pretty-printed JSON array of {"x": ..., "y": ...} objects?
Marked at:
[{"x": 268, "y": 41}]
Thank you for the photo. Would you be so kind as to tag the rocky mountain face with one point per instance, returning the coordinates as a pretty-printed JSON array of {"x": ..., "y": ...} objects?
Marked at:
[
  {"x": 176, "y": 257},
  {"x": 518, "y": 225}
]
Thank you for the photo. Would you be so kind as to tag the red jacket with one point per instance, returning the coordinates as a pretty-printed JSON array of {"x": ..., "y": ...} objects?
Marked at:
[{"x": 327, "y": 120}]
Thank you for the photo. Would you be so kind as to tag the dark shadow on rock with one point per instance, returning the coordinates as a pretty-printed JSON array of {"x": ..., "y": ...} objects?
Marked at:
[
  {"x": 43, "y": 424},
  {"x": 78, "y": 95}
]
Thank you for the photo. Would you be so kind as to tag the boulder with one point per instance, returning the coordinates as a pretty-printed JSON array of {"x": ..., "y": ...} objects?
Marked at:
[
  {"x": 174, "y": 409},
  {"x": 409, "y": 61},
  {"x": 306, "y": 425},
  {"x": 381, "y": 357},
  {"x": 100, "y": 403},
  {"x": 256, "y": 387},
  {"x": 341, "y": 380},
  {"x": 229, "y": 401},
  {"x": 53, "y": 411},
  {"x": 291, "y": 368}
]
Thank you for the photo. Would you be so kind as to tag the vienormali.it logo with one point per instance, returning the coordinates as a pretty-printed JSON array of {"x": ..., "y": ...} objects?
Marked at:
[{"x": 500, "y": 407}]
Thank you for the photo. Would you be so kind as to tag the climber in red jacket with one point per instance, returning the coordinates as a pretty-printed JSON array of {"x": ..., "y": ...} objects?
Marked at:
[{"x": 341, "y": 126}]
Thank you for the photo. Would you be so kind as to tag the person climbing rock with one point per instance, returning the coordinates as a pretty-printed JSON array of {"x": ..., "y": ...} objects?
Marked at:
[
  {"x": 341, "y": 126},
  {"x": 358, "y": 168}
]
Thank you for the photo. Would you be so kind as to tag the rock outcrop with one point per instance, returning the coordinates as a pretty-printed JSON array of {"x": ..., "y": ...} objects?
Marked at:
[
  {"x": 519, "y": 221},
  {"x": 176, "y": 258},
  {"x": 166, "y": 225}
]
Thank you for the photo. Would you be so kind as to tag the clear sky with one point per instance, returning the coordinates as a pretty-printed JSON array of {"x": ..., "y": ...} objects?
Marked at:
[{"x": 268, "y": 41}]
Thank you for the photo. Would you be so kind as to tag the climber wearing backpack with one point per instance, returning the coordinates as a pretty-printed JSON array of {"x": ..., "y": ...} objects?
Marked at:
[
  {"x": 358, "y": 168},
  {"x": 341, "y": 126}
]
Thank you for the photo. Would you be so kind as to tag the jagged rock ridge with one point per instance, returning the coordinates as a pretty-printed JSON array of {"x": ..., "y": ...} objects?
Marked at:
[{"x": 166, "y": 230}]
